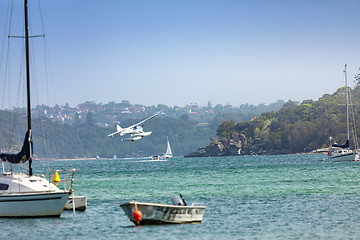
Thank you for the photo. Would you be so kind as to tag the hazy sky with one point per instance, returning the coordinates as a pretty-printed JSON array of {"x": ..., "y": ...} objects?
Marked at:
[{"x": 178, "y": 52}]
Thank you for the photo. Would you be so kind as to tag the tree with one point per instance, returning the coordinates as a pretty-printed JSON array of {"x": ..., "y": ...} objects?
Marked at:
[
  {"x": 90, "y": 119},
  {"x": 225, "y": 129},
  {"x": 184, "y": 117}
]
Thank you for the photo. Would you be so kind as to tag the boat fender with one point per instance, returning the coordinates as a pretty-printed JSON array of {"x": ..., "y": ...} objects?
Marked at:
[
  {"x": 56, "y": 178},
  {"x": 176, "y": 200}
]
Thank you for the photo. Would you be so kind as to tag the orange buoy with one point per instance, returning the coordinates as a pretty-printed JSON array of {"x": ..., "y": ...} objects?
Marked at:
[{"x": 137, "y": 215}]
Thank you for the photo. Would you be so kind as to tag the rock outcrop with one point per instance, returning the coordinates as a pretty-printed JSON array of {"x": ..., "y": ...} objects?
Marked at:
[{"x": 222, "y": 147}]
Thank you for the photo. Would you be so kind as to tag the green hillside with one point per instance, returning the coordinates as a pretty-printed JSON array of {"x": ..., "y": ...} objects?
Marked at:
[
  {"x": 295, "y": 128},
  {"x": 56, "y": 140}
]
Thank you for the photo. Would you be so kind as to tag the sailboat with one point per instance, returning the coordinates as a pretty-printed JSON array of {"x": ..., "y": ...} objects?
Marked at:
[
  {"x": 343, "y": 152},
  {"x": 168, "y": 153},
  {"x": 26, "y": 194}
]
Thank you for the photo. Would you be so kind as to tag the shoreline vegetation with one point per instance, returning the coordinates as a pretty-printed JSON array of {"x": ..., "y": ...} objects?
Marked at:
[
  {"x": 296, "y": 128},
  {"x": 63, "y": 159},
  {"x": 141, "y": 158},
  {"x": 83, "y": 131}
]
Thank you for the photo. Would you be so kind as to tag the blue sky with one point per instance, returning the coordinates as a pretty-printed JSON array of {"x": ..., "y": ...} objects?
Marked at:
[{"x": 180, "y": 52}]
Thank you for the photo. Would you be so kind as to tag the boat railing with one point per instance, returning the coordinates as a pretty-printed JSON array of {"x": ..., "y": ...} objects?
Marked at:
[
  {"x": 64, "y": 178},
  {"x": 197, "y": 204}
]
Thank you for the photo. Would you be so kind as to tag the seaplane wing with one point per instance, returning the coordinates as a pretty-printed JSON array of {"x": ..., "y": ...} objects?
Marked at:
[
  {"x": 147, "y": 119},
  {"x": 135, "y": 129}
]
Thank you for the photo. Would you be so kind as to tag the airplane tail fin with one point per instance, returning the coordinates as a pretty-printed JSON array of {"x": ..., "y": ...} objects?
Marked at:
[{"x": 118, "y": 128}]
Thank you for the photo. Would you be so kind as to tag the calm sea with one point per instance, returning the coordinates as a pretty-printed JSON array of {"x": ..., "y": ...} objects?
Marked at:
[{"x": 247, "y": 197}]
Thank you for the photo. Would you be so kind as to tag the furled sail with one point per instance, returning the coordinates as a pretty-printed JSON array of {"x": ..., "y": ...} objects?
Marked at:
[
  {"x": 346, "y": 145},
  {"x": 21, "y": 156}
]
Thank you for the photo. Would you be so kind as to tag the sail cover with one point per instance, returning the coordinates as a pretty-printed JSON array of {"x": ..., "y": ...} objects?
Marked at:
[
  {"x": 23, "y": 155},
  {"x": 346, "y": 145}
]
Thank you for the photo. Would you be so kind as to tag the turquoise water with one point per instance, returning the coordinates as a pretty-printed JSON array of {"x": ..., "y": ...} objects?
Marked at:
[{"x": 247, "y": 197}]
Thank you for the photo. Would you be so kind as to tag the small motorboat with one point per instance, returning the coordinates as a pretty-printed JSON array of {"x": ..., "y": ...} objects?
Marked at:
[
  {"x": 155, "y": 157},
  {"x": 79, "y": 201},
  {"x": 143, "y": 213}
]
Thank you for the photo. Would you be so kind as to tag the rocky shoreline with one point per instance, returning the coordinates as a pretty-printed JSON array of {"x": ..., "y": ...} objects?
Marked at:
[
  {"x": 239, "y": 146},
  {"x": 222, "y": 147}
]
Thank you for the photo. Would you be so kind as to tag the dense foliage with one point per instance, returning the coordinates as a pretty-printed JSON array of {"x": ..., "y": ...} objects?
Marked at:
[
  {"x": 296, "y": 127},
  {"x": 56, "y": 140},
  {"x": 85, "y": 132}
]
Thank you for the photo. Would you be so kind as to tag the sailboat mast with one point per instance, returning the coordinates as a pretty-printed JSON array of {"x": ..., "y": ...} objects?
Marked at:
[
  {"x": 28, "y": 79},
  {"x": 347, "y": 105}
]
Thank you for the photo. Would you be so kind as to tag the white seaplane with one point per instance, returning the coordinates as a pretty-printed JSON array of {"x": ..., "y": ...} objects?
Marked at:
[{"x": 136, "y": 131}]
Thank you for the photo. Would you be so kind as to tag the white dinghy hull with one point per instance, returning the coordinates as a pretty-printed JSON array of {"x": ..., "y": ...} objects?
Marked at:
[
  {"x": 79, "y": 201},
  {"x": 157, "y": 213}
]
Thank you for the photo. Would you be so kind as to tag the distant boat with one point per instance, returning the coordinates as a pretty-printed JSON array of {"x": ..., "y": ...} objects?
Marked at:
[
  {"x": 155, "y": 157},
  {"x": 28, "y": 195},
  {"x": 339, "y": 152},
  {"x": 168, "y": 153}
]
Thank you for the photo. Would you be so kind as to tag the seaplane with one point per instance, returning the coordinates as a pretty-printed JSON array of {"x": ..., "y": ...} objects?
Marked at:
[{"x": 136, "y": 131}]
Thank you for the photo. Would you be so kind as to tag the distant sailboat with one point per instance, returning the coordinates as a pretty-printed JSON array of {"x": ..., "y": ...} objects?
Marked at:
[
  {"x": 168, "y": 153},
  {"x": 343, "y": 152}
]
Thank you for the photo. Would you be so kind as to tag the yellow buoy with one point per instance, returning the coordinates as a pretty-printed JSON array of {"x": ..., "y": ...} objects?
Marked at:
[{"x": 56, "y": 178}]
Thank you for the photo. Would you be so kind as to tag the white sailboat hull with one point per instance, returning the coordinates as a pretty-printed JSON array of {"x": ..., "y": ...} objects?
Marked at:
[
  {"x": 349, "y": 156},
  {"x": 22, "y": 195},
  {"x": 44, "y": 204}
]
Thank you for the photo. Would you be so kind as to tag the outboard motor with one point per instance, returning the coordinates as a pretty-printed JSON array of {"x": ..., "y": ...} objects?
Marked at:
[{"x": 176, "y": 200}]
